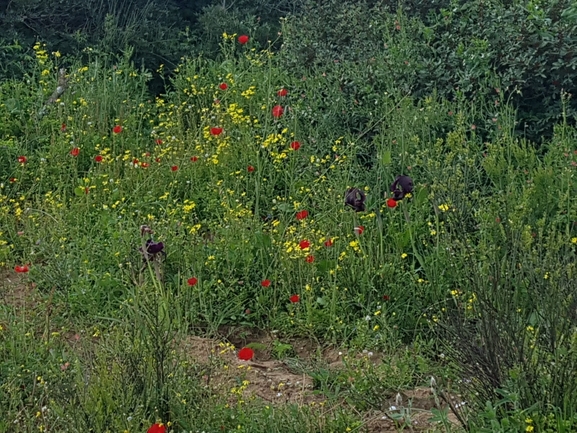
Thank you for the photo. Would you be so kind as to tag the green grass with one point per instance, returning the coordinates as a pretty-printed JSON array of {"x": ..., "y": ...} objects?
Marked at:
[{"x": 469, "y": 281}]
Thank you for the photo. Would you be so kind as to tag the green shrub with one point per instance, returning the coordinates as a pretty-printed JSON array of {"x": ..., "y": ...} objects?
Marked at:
[{"x": 522, "y": 49}]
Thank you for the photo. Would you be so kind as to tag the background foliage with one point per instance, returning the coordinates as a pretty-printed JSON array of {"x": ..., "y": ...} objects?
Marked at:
[{"x": 523, "y": 48}]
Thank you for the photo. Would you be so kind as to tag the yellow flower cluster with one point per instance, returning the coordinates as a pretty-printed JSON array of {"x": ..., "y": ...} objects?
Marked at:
[
  {"x": 355, "y": 245},
  {"x": 272, "y": 139},
  {"x": 237, "y": 115},
  {"x": 226, "y": 36},
  {"x": 188, "y": 206},
  {"x": 40, "y": 53},
  {"x": 249, "y": 92}
]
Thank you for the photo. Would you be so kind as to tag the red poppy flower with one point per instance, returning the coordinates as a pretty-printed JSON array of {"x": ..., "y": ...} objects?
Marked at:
[
  {"x": 265, "y": 283},
  {"x": 282, "y": 92},
  {"x": 75, "y": 151},
  {"x": 243, "y": 39},
  {"x": 98, "y": 158},
  {"x": 295, "y": 298},
  {"x": 117, "y": 129},
  {"x": 63, "y": 127},
  {"x": 157, "y": 428},
  {"x": 310, "y": 259},
  {"x": 135, "y": 161},
  {"x": 392, "y": 203},
  {"x": 192, "y": 281},
  {"x": 157, "y": 159},
  {"x": 277, "y": 111},
  {"x": 386, "y": 297},
  {"x": 21, "y": 269},
  {"x": 215, "y": 131},
  {"x": 295, "y": 145},
  {"x": 359, "y": 230},
  {"x": 302, "y": 214},
  {"x": 144, "y": 164},
  {"x": 245, "y": 354},
  {"x": 304, "y": 244},
  {"x": 329, "y": 243},
  {"x": 250, "y": 168},
  {"x": 174, "y": 168},
  {"x": 194, "y": 158},
  {"x": 13, "y": 180},
  {"x": 223, "y": 86},
  {"x": 22, "y": 159},
  {"x": 158, "y": 141}
]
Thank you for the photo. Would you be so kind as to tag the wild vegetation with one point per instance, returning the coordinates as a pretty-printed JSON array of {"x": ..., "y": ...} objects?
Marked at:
[{"x": 356, "y": 217}]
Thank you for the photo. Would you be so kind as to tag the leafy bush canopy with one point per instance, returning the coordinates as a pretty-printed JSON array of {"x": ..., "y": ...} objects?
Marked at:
[{"x": 523, "y": 49}]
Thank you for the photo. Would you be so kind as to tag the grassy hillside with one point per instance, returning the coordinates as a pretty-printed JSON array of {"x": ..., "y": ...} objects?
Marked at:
[{"x": 144, "y": 241}]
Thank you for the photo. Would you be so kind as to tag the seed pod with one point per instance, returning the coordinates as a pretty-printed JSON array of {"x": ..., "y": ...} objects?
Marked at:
[{"x": 144, "y": 229}]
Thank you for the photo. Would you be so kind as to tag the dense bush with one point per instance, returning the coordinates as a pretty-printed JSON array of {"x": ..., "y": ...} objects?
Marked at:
[
  {"x": 523, "y": 49},
  {"x": 526, "y": 47}
]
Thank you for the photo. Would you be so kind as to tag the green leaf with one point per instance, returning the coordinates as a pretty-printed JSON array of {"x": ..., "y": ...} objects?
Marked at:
[
  {"x": 12, "y": 106},
  {"x": 256, "y": 346},
  {"x": 262, "y": 240},
  {"x": 324, "y": 266},
  {"x": 439, "y": 415},
  {"x": 285, "y": 207},
  {"x": 386, "y": 157},
  {"x": 79, "y": 191},
  {"x": 421, "y": 196},
  {"x": 404, "y": 239}
]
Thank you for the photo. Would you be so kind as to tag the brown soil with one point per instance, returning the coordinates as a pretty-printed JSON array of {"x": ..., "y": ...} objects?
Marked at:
[
  {"x": 278, "y": 382},
  {"x": 271, "y": 380},
  {"x": 16, "y": 291}
]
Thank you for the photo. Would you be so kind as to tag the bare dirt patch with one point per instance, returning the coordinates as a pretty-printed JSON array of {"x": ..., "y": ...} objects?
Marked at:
[
  {"x": 269, "y": 379},
  {"x": 278, "y": 381},
  {"x": 16, "y": 291}
]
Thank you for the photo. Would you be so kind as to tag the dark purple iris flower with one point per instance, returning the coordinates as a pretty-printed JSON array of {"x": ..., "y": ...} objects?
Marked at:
[
  {"x": 355, "y": 198},
  {"x": 154, "y": 247},
  {"x": 402, "y": 186},
  {"x": 151, "y": 250}
]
